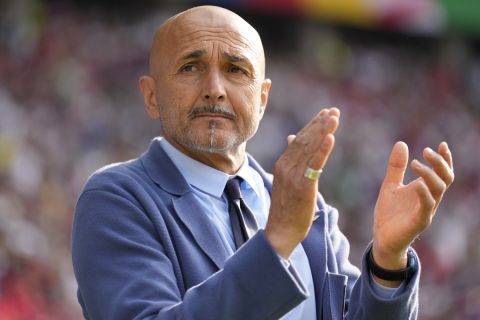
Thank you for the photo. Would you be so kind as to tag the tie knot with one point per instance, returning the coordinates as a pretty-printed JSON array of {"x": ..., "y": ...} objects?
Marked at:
[{"x": 232, "y": 189}]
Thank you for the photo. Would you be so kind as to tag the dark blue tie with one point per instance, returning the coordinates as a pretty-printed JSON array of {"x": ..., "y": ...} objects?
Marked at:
[{"x": 242, "y": 219}]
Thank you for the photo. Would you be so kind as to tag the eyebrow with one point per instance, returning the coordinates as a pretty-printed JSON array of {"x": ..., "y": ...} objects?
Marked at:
[
  {"x": 201, "y": 52},
  {"x": 231, "y": 57},
  {"x": 239, "y": 59},
  {"x": 194, "y": 54}
]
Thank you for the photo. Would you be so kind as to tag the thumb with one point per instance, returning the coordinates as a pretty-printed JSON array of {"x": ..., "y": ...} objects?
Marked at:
[{"x": 397, "y": 164}]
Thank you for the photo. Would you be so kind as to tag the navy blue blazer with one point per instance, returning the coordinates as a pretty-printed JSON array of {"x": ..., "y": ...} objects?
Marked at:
[{"x": 142, "y": 249}]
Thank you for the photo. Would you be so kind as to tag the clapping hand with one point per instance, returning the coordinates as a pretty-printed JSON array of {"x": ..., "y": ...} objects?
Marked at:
[
  {"x": 294, "y": 190},
  {"x": 402, "y": 212}
]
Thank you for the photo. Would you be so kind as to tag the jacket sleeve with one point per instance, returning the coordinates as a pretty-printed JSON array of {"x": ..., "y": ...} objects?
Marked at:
[
  {"x": 124, "y": 272},
  {"x": 361, "y": 300}
]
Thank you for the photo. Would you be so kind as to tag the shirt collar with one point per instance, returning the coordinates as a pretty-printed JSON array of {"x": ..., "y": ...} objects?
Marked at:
[{"x": 208, "y": 179}]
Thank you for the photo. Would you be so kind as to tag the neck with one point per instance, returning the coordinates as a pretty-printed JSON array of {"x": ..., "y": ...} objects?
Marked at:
[{"x": 229, "y": 161}]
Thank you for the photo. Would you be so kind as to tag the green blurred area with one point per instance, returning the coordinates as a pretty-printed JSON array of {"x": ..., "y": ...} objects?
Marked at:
[{"x": 463, "y": 16}]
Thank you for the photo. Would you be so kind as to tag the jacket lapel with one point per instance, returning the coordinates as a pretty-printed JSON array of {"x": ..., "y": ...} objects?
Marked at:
[
  {"x": 165, "y": 174},
  {"x": 201, "y": 228}
]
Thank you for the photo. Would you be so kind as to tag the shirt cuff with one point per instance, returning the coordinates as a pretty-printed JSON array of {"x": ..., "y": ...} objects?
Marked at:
[{"x": 386, "y": 292}]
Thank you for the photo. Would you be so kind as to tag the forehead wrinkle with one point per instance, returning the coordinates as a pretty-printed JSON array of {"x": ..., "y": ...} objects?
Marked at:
[
  {"x": 232, "y": 40},
  {"x": 207, "y": 41},
  {"x": 221, "y": 31},
  {"x": 231, "y": 49}
]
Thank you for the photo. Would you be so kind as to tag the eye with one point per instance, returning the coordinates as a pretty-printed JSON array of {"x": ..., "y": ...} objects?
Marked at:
[
  {"x": 188, "y": 68},
  {"x": 235, "y": 69}
]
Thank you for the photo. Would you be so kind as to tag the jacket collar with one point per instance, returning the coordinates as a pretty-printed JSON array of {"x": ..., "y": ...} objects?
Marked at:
[{"x": 162, "y": 171}]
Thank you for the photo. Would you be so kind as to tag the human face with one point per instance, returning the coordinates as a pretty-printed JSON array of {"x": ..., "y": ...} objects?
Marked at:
[{"x": 209, "y": 86}]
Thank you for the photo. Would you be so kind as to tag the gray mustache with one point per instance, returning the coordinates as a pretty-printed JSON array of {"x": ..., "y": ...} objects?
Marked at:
[{"x": 212, "y": 109}]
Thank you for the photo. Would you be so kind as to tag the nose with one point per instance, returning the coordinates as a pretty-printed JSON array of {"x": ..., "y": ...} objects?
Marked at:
[{"x": 214, "y": 89}]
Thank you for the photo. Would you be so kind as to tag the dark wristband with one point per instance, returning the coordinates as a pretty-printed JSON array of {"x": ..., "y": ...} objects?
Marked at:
[{"x": 393, "y": 275}]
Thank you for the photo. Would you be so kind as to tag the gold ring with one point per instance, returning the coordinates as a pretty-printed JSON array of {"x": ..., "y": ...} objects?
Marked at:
[{"x": 312, "y": 174}]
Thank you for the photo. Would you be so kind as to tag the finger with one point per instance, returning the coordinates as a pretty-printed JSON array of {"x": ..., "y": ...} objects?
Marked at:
[
  {"x": 397, "y": 164},
  {"x": 311, "y": 137},
  {"x": 320, "y": 158},
  {"x": 329, "y": 126},
  {"x": 427, "y": 202},
  {"x": 320, "y": 124},
  {"x": 445, "y": 152},
  {"x": 330, "y": 111},
  {"x": 439, "y": 165},
  {"x": 314, "y": 143},
  {"x": 434, "y": 183},
  {"x": 334, "y": 112},
  {"x": 290, "y": 138}
]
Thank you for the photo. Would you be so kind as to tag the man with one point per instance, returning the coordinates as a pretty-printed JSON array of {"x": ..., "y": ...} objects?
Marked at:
[{"x": 153, "y": 238}]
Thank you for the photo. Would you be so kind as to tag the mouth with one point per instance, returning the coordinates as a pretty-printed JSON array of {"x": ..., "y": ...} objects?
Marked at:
[
  {"x": 213, "y": 115},
  {"x": 213, "y": 111}
]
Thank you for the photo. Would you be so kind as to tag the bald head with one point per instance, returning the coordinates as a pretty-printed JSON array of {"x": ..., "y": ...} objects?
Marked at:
[{"x": 201, "y": 24}]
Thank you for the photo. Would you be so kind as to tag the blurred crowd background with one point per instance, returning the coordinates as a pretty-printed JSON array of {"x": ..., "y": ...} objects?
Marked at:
[{"x": 69, "y": 104}]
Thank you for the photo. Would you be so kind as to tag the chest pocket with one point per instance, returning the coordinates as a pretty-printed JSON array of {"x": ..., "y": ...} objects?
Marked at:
[{"x": 334, "y": 296}]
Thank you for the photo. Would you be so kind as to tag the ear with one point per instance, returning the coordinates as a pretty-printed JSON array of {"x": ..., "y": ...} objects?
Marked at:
[
  {"x": 267, "y": 83},
  {"x": 147, "y": 87}
]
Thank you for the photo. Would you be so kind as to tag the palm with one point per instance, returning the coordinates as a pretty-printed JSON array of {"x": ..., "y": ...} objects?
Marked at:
[
  {"x": 403, "y": 211},
  {"x": 398, "y": 214}
]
